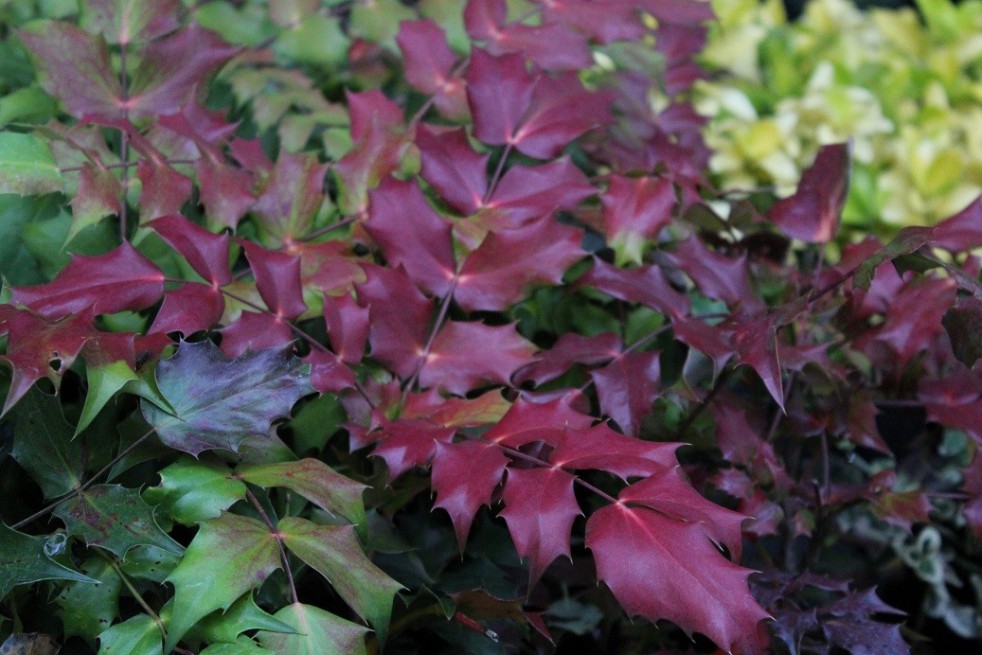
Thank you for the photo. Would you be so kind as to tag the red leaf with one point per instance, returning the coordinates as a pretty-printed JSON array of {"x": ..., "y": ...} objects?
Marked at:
[
  {"x": 637, "y": 206},
  {"x": 103, "y": 284},
  {"x": 711, "y": 340},
  {"x": 429, "y": 62},
  {"x": 570, "y": 349},
  {"x": 756, "y": 346},
  {"x": 645, "y": 285},
  {"x": 499, "y": 89},
  {"x": 528, "y": 422},
  {"x": 98, "y": 195},
  {"x": 560, "y": 111},
  {"x": 627, "y": 387},
  {"x": 206, "y": 252},
  {"x": 254, "y": 332},
  {"x": 411, "y": 234},
  {"x": 604, "y": 22},
  {"x": 963, "y": 231},
  {"x": 741, "y": 444},
  {"x": 661, "y": 568},
  {"x": 171, "y": 68},
  {"x": 278, "y": 280},
  {"x": 465, "y": 476},
  {"x": 34, "y": 344},
  {"x": 328, "y": 373},
  {"x": 75, "y": 68},
  {"x": 540, "y": 508},
  {"x": 404, "y": 443},
  {"x": 496, "y": 275},
  {"x": 465, "y": 355},
  {"x": 399, "y": 317},
  {"x": 913, "y": 319},
  {"x": 225, "y": 191},
  {"x": 291, "y": 197},
  {"x": 188, "y": 309},
  {"x": 164, "y": 190},
  {"x": 533, "y": 192},
  {"x": 812, "y": 214},
  {"x": 347, "y": 327},
  {"x": 716, "y": 275},
  {"x": 602, "y": 449},
  {"x": 452, "y": 167}
]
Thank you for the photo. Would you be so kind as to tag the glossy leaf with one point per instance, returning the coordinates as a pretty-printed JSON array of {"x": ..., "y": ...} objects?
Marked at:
[
  {"x": 138, "y": 635},
  {"x": 316, "y": 632},
  {"x": 453, "y": 366},
  {"x": 25, "y": 559},
  {"x": 207, "y": 253},
  {"x": 813, "y": 213},
  {"x": 465, "y": 476},
  {"x": 43, "y": 445},
  {"x": 192, "y": 491}
]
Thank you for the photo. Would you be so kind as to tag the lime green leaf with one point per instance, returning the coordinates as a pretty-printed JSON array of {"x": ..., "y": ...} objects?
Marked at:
[
  {"x": 228, "y": 557},
  {"x": 318, "y": 632},
  {"x": 87, "y": 609},
  {"x": 315, "y": 481},
  {"x": 25, "y": 559},
  {"x": 192, "y": 491},
  {"x": 316, "y": 39},
  {"x": 136, "y": 636},
  {"x": 334, "y": 552},
  {"x": 27, "y": 104},
  {"x": 43, "y": 444},
  {"x": 379, "y": 20},
  {"x": 104, "y": 381},
  {"x": 243, "y": 615},
  {"x": 217, "y": 402},
  {"x": 114, "y": 518},
  {"x": 27, "y": 166}
]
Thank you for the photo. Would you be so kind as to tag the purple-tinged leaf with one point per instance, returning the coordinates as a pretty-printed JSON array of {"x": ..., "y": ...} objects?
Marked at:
[
  {"x": 499, "y": 89},
  {"x": 560, "y": 110},
  {"x": 913, "y": 319},
  {"x": 98, "y": 195},
  {"x": 254, "y": 332},
  {"x": 130, "y": 21},
  {"x": 645, "y": 285},
  {"x": 291, "y": 197},
  {"x": 569, "y": 350},
  {"x": 255, "y": 390},
  {"x": 465, "y": 476},
  {"x": 626, "y": 388},
  {"x": 600, "y": 448},
  {"x": 452, "y": 167},
  {"x": 526, "y": 193},
  {"x": 713, "y": 341},
  {"x": 315, "y": 481},
  {"x": 347, "y": 327},
  {"x": 429, "y": 63},
  {"x": 496, "y": 275},
  {"x": 813, "y": 213},
  {"x": 225, "y": 191},
  {"x": 716, "y": 275},
  {"x": 636, "y": 208},
  {"x": 404, "y": 443},
  {"x": 122, "y": 279},
  {"x": 188, "y": 309},
  {"x": 540, "y": 508},
  {"x": 328, "y": 373},
  {"x": 207, "y": 253},
  {"x": 963, "y": 231},
  {"x": 453, "y": 364},
  {"x": 411, "y": 234},
  {"x": 756, "y": 346},
  {"x": 741, "y": 444},
  {"x": 277, "y": 279},
  {"x": 399, "y": 315},
  {"x": 528, "y": 422},
  {"x": 164, "y": 190},
  {"x": 604, "y": 22}
]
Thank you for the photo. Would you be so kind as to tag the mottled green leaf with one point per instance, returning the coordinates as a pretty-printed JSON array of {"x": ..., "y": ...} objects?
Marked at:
[
  {"x": 228, "y": 557},
  {"x": 318, "y": 633},
  {"x": 315, "y": 481},
  {"x": 43, "y": 444},
  {"x": 25, "y": 559},
  {"x": 27, "y": 166},
  {"x": 87, "y": 609},
  {"x": 115, "y": 518},
  {"x": 136, "y": 636},
  {"x": 192, "y": 491},
  {"x": 243, "y": 615},
  {"x": 219, "y": 402},
  {"x": 334, "y": 552}
]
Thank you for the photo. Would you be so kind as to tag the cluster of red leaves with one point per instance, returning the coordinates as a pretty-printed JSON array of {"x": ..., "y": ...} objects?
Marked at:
[{"x": 415, "y": 297}]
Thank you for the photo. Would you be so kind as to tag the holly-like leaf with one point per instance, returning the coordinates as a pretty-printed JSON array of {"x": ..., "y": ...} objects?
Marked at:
[
  {"x": 188, "y": 309},
  {"x": 716, "y": 275},
  {"x": 256, "y": 389},
  {"x": 913, "y": 320},
  {"x": 540, "y": 508},
  {"x": 114, "y": 518},
  {"x": 86, "y": 609},
  {"x": 207, "y": 253},
  {"x": 499, "y": 89},
  {"x": 255, "y": 332},
  {"x": 138, "y": 635},
  {"x": 963, "y": 231},
  {"x": 645, "y": 285},
  {"x": 347, "y": 327},
  {"x": 228, "y": 557},
  {"x": 122, "y": 279},
  {"x": 570, "y": 349},
  {"x": 242, "y": 616},
  {"x": 315, "y": 632},
  {"x": 626, "y": 388},
  {"x": 528, "y": 422},
  {"x": 662, "y": 568},
  {"x": 465, "y": 476},
  {"x": 495, "y": 276},
  {"x": 812, "y": 214},
  {"x": 290, "y": 198},
  {"x": 405, "y": 443},
  {"x": 192, "y": 491},
  {"x": 27, "y": 166},
  {"x": 531, "y": 192},
  {"x": 602, "y": 21},
  {"x": 429, "y": 66},
  {"x": 315, "y": 481},
  {"x": 600, "y": 448},
  {"x": 277, "y": 279},
  {"x": 756, "y": 346},
  {"x": 129, "y": 21},
  {"x": 25, "y": 559},
  {"x": 98, "y": 195},
  {"x": 636, "y": 209},
  {"x": 453, "y": 168},
  {"x": 399, "y": 316},
  {"x": 453, "y": 365},
  {"x": 334, "y": 552}
]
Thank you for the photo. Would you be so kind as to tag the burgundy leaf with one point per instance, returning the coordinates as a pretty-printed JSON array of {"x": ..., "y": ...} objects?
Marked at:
[
  {"x": 39, "y": 348},
  {"x": 429, "y": 64},
  {"x": 225, "y": 191},
  {"x": 98, "y": 195},
  {"x": 689, "y": 12},
  {"x": 347, "y": 327},
  {"x": 963, "y": 231},
  {"x": 639, "y": 206},
  {"x": 328, "y": 266},
  {"x": 328, "y": 373},
  {"x": 399, "y": 315},
  {"x": 756, "y": 346},
  {"x": 122, "y": 279},
  {"x": 533, "y": 192},
  {"x": 466, "y": 354},
  {"x": 412, "y": 235},
  {"x": 206, "y": 252},
  {"x": 465, "y": 476},
  {"x": 291, "y": 197},
  {"x": 452, "y": 167},
  {"x": 716, "y": 275},
  {"x": 164, "y": 189},
  {"x": 570, "y": 349},
  {"x": 645, "y": 285},
  {"x": 604, "y": 22},
  {"x": 499, "y": 89},
  {"x": 600, "y": 448},
  {"x": 741, "y": 444},
  {"x": 527, "y": 422},
  {"x": 370, "y": 108},
  {"x": 540, "y": 508},
  {"x": 560, "y": 111},
  {"x": 188, "y": 309},
  {"x": 913, "y": 320},
  {"x": 405, "y": 443},
  {"x": 496, "y": 275},
  {"x": 278, "y": 280},
  {"x": 254, "y": 332},
  {"x": 75, "y": 68},
  {"x": 662, "y": 568},
  {"x": 627, "y": 387},
  {"x": 713, "y": 341},
  {"x": 812, "y": 214}
]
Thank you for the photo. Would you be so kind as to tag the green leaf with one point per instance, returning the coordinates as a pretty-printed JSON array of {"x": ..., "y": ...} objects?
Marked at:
[
  {"x": 149, "y": 563},
  {"x": 25, "y": 559},
  {"x": 242, "y": 646},
  {"x": 136, "y": 636},
  {"x": 379, "y": 20},
  {"x": 17, "y": 264},
  {"x": 318, "y": 633},
  {"x": 27, "y": 166},
  {"x": 104, "y": 382},
  {"x": 27, "y": 104},
  {"x": 218, "y": 402},
  {"x": 334, "y": 552},
  {"x": 86, "y": 609},
  {"x": 315, "y": 481},
  {"x": 43, "y": 444},
  {"x": 229, "y": 556},
  {"x": 192, "y": 491},
  {"x": 114, "y": 518},
  {"x": 242, "y": 616},
  {"x": 316, "y": 39}
]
